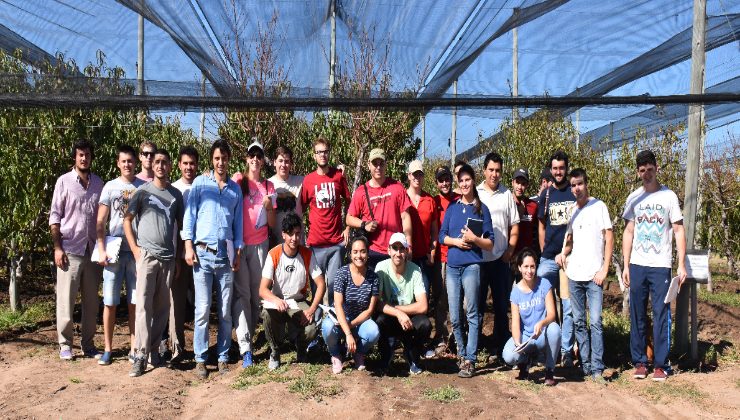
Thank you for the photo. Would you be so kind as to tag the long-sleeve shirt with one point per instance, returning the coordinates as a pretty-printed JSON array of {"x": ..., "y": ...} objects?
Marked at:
[
  {"x": 213, "y": 215},
  {"x": 75, "y": 210},
  {"x": 456, "y": 217}
]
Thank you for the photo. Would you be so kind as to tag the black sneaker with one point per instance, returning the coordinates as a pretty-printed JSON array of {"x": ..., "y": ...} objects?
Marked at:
[
  {"x": 138, "y": 368},
  {"x": 467, "y": 370},
  {"x": 201, "y": 371},
  {"x": 523, "y": 371}
]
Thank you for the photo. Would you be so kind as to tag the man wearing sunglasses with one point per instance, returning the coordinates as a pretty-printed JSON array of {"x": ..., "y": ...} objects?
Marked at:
[
  {"x": 403, "y": 305},
  {"x": 146, "y": 157}
]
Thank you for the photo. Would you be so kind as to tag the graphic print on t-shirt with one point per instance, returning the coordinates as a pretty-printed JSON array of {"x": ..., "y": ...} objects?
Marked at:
[
  {"x": 156, "y": 202},
  {"x": 325, "y": 194},
  {"x": 120, "y": 204},
  {"x": 559, "y": 213},
  {"x": 649, "y": 230}
]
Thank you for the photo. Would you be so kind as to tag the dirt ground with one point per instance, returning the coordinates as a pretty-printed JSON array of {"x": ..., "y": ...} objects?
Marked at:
[{"x": 34, "y": 383}]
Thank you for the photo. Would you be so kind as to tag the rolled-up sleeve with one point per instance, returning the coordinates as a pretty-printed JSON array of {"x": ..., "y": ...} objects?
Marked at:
[
  {"x": 57, "y": 204},
  {"x": 238, "y": 218}
]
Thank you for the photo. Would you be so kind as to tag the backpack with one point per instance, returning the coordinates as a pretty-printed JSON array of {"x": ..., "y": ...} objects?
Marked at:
[{"x": 306, "y": 253}]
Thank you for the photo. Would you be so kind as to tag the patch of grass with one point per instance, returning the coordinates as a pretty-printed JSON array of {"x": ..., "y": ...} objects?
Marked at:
[
  {"x": 444, "y": 394},
  {"x": 308, "y": 385},
  {"x": 737, "y": 383},
  {"x": 258, "y": 374},
  {"x": 667, "y": 390},
  {"x": 616, "y": 333},
  {"x": 720, "y": 298},
  {"x": 75, "y": 380},
  {"x": 730, "y": 355},
  {"x": 27, "y": 318}
]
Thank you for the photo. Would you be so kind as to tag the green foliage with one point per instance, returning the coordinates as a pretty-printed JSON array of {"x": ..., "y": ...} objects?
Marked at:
[
  {"x": 37, "y": 143},
  {"x": 725, "y": 298},
  {"x": 444, "y": 394},
  {"x": 27, "y": 319}
]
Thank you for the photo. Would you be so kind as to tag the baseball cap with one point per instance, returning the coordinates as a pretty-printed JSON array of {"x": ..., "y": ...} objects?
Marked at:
[
  {"x": 376, "y": 154},
  {"x": 521, "y": 173},
  {"x": 256, "y": 143},
  {"x": 442, "y": 171},
  {"x": 546, "y": 174},
  {"x": 415, "y": 166},
  {"x": 398, "y": 238}
]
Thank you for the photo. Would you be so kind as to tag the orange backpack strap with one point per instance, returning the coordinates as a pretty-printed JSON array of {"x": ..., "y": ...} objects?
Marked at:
[
  {"x": 275, "y": 256},
  {"x": 306, "y": 253}
]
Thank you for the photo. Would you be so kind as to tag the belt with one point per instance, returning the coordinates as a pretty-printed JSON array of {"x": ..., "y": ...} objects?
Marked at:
[{"x": 204, "y": 247}]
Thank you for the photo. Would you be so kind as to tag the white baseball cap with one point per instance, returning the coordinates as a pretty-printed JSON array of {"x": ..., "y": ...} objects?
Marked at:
[{"x": 398, "y": 238}]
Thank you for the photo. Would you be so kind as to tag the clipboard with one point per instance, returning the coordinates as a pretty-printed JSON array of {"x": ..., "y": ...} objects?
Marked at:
[{"x": 475, "y": 226}]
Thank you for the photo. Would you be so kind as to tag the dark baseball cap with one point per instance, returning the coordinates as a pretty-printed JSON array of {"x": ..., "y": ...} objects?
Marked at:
[
  {"x": 546, "y": 174},
  {"x": 521, "y": 173},
  {"x": 442, "y": 171}
]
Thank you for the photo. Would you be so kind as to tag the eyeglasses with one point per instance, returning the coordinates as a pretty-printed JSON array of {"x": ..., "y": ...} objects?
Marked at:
[
  {"x": 321, "y": 152},
  {"x": 147, "y": 154},
  {"x": 398, "y": 248}
]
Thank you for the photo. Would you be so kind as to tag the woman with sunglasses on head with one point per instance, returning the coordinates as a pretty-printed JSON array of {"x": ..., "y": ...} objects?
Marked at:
[
  {"x": 356, "y": 290},
  {"x": 533, "y": 327},
  {"x": 466, "y": 230},
  {"x": 259, "y": 216}
]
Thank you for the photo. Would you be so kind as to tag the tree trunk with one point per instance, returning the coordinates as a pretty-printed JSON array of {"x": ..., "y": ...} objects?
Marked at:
[
  {"x": 358, "y": 167},
  {"x": 15, "y": 304}
]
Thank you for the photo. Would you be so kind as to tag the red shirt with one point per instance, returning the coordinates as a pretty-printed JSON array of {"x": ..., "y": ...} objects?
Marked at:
[
  {"x": 527, "y": 224},
  {"x": 421, "y": 223},
  {"x": 321, "y": 194},
  {"x": 442, "y": 202},
  {"x": 388, "y": 202}
]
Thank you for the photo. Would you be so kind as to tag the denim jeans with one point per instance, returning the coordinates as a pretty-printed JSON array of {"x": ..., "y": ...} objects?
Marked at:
[
  {"x": 653, "y": 281},
  {"x": 366, "y": 335},
  {"x": 496, "y": 275},
  {"x": 427, "y": 271},
  {"x": 208, "y": 274},
  {"x": 113, "y": 276},
  {"x": 548, "y": 342},
  {"x": 464, "y": 282},
  {"x": 590, "y": 348},
  {"x": 550, "y": 270},
  {"x": 329, "y": 258}
]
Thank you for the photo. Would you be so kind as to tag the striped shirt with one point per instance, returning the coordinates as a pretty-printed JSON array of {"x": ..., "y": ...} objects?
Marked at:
[{"x": 356, "y": 298}]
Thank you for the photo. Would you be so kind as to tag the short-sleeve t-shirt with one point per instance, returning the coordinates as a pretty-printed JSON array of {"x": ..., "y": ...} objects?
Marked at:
[
  {"x": 288, "y": 200},
  {"x": 252, "y": 209},
  {"x": 356, "y": 298},
  {"x": 442, "y": 203},
  {"x": 323, "y": 195},
  {"x": 422, "y": 217},
  {"x": 587, "y": 224},
  {"x": 116, "y": 195},
  {"x": 559, "y": 206},
  {"x": 289, "y": 278},
  {"x": 403, "y": 291},
  {"x": 504, "y": 215},
  {"x": 388, "y": 202},
  {"x": 532, "y": 308},
  {"x": 156, "y": 211},
  {"x": 654, "y": 215},
  {"x": 184, "y": 189}
]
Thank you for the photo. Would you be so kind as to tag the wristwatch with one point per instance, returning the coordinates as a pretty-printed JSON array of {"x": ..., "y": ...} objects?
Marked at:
[{"x": 362, "y": 225}]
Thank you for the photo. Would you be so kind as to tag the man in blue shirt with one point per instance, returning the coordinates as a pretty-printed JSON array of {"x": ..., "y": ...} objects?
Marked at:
[{"x": 212, "y": 231}]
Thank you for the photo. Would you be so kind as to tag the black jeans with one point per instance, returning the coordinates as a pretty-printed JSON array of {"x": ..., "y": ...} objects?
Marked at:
[{"x": 412, "y": 339}]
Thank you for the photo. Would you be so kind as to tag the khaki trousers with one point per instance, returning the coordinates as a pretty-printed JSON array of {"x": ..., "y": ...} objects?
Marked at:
[
  {"x": 81, "y": 275},
  {"x": 153, "y": 279}
]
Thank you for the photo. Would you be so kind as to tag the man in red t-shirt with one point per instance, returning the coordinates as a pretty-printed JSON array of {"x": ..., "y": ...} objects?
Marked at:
[
  {"x": 321, "y": 193},
  {"x": 438, "y": 300},
  {"x": 386, "y": 212},
  {"x": 527, "y": 212},
  {"x": 424, "y": 222}
]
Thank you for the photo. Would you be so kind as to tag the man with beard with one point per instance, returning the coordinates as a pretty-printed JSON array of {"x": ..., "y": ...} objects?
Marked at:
[{"x": 146, "y": 157}]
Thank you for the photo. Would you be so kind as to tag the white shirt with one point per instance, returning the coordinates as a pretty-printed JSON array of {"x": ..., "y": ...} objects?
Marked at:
[
  {"x": 587, "y": 225},
  {"x": 289, "y": 279},
  {"x": 654, "y": 215},
  {"x": 504, "y": 214}
]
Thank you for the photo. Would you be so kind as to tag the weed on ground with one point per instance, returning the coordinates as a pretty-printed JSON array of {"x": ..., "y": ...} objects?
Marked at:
[{"x": 444, "y": 394}]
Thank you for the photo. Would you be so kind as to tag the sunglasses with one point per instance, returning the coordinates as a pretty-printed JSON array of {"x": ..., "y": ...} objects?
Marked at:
[
  {"x": 398, "y": 248},
  {"x": 147, "y": 154},
  {"x": 258, "y": 155}
]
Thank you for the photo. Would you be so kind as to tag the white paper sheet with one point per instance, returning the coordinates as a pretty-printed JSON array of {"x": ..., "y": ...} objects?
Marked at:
[
  {"x": 672, "y": 291},
  {"x": 292, "y": 304},
  {"x": 112, "y": 249},
  {"x": 697, "y": 266}
]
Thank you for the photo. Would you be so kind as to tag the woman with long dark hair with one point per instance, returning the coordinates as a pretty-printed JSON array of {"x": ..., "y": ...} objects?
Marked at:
[{"x": 466, "y": 230}]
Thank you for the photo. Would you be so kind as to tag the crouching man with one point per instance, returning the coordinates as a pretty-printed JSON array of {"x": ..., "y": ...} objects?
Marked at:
[
  {"x": 156, "y": 206},
  {"x": 404, "y": 305},
  {"x": 286, "y": 281}
]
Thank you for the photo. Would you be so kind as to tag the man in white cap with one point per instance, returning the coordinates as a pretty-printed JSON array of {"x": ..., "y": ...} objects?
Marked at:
[
  {"x": 380, "y": 207},
  {"x": 403, "y": 304},
  {"x": 423, "y": 212}
]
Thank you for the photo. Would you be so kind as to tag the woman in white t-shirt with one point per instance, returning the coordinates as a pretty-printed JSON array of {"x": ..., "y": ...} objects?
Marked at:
[{"x": 533, "y": 327}]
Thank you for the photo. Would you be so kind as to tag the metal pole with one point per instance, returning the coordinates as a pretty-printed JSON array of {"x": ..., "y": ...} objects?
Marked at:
[
  {"x": 578, "y": 127},
  {"x": 515, "y": 67},
  {"x": 140, "y": 63},
  {"x": 692, "y": 164},
  {"x": 453, "y": 139},
  {"x": 333, "y": 48},
  {"x": 423, "y": 138},
  {"x": 203, "y": 110}
]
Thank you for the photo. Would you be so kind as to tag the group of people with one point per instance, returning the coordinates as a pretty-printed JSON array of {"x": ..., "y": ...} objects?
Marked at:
[{"x": 408, "y": 255}]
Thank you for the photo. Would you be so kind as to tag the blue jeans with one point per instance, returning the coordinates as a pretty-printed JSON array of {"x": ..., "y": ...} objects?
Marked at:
[
  {"x": 329, "y": 258},
  {"x": 653, "y": 281},
  {"x": 113, "y": 275},
  {"x": 208, "y": 274},
  {"x": 496, "y": 275},
  {"x": 427, "y": 271},
  {"x": 548, "y": 342},
  {"x": 464, "y": 282},
  {"x": 366, "y": 335},
  {"x": 591, "y": 349},
  {"x": 550, "y": 270}
]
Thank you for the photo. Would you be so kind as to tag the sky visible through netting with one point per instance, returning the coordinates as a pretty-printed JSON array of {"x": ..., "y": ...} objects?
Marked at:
[{"x": 565, "y": 48}]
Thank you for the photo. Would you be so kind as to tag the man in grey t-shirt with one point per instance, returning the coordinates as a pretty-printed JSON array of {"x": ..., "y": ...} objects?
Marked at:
[{"x": 157, "y": 206}]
